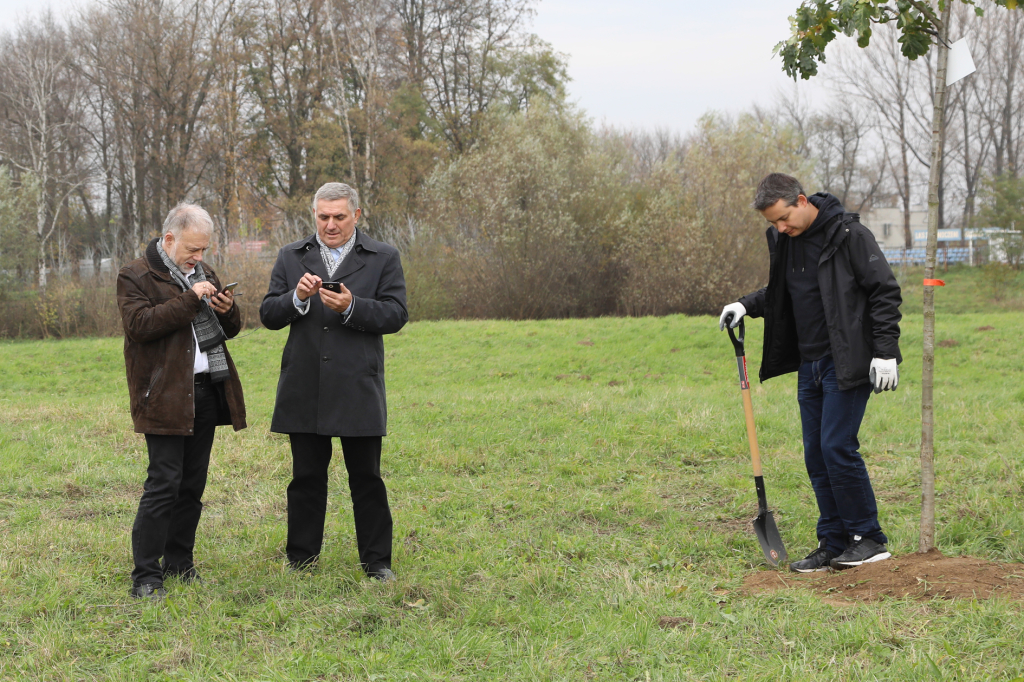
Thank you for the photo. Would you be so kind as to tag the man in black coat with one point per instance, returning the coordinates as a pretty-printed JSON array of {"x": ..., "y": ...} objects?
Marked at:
[
  {"x": 831, "y": 311},
  {"x": 339, "y": 291}
]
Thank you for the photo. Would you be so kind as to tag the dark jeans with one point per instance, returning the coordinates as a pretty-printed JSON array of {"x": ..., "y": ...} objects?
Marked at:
[
  {"x": 165, "y": 525},
  {"x": 831, "y": 419},
  {"x": 307, "y": 499}
]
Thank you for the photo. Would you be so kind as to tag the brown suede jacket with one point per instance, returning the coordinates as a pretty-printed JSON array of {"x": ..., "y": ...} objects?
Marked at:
[{"x": 158, "y": 348}]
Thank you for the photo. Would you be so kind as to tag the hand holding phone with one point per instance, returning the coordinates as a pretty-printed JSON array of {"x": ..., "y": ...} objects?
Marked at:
[
  {"x": 224, "y": 299},
  {"x": 335, "y": 296}
]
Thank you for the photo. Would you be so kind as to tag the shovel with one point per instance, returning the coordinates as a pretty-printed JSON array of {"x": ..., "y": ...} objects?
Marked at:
[{"x": 764, "y": 525}]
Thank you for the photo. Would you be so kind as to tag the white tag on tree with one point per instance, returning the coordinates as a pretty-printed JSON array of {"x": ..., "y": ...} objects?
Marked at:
[{"x": 960, "y": 64}]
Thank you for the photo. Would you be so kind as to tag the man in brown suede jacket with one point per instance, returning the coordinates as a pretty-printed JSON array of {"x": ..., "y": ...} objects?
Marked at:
[{"x": 182, "y": 385}]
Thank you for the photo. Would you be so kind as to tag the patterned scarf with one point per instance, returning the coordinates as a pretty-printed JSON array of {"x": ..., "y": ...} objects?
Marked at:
[
  {"x": 325, "y": 253},
  {"x": 205, "y": 324}
]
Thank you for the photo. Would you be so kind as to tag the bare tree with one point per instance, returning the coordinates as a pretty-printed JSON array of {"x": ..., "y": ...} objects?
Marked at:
[
  {"x": 893, "y": 88},
  {"x": 290, "y": 74},
  {"x": 470, "y": 55},
  {"x": 152, "y": 66},
  {"x": 40, "y": 96}
]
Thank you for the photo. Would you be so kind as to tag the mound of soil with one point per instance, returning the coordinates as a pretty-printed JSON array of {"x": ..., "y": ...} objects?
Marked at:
[{"x": 918, "y": 576}]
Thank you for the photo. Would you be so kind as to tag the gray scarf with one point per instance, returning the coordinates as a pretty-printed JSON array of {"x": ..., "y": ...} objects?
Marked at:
[
  {"x": 209, "y": 333},
  {"x": 325, "y": 253}
]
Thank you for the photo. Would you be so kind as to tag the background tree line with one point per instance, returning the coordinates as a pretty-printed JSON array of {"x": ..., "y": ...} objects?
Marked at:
[{"x": 451, "y": 119}]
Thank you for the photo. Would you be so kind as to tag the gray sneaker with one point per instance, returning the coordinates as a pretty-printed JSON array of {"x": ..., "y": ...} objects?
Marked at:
[{"x": 860, "y": 551}]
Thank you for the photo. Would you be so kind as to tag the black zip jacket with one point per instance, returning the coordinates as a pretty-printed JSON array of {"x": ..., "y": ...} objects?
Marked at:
[{"x": 860, "y": 296}]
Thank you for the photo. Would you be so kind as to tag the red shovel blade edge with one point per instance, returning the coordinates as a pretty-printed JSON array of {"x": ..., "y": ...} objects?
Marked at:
[{"x": 771, "y": 542}]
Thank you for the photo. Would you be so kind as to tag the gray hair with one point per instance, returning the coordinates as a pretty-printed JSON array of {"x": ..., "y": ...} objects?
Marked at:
[
  {"x": 187, "y": 217},
  {"x": 777, "y": 186},
  {"x": 332, "y": 191}
]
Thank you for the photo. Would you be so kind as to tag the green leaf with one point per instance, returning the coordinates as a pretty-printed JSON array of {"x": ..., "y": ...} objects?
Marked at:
[
  {"x": 864, "y": 38},
  {"x": 914, "y": 44}
]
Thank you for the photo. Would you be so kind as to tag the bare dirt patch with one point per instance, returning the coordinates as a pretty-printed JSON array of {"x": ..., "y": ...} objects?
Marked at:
[
  {"x": 671, "y": 622},
  {"x": 918, "y": 576}
]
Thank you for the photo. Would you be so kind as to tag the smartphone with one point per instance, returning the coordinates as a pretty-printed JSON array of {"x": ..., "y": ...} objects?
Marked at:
[
  {"x": 229, "y": 287},
  {"x": 331, "y": 286}
]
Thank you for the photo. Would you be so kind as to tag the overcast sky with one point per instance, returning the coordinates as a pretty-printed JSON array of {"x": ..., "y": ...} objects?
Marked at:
[{"x": 643, "y": 63}]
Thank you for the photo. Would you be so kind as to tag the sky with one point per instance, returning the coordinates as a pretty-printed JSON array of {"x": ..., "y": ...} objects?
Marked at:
[
  {"x": 644, "y": 63},
  {"x": 665, "y": 63}
]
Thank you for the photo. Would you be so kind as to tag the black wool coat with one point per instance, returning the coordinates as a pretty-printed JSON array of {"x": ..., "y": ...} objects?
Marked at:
[
  {"x": 861, "y": 299},
  {"x": 332, "y": 371}
]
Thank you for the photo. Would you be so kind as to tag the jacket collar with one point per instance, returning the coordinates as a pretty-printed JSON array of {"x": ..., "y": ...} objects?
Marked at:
[
  {"x": 311, "y": 259},
  {"x": 155, "y": 262},
  {"x": 838, "y": 232}
]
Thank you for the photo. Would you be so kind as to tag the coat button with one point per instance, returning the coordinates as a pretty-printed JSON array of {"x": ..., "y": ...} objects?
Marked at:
[
  {"x": 189, "y": 395},
  {"x": 325, "y": 328},
  {"x": 325, "y": 359}
]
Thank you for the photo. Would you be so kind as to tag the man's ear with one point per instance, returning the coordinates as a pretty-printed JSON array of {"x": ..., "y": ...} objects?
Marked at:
[{"x": 801, "y": 201}]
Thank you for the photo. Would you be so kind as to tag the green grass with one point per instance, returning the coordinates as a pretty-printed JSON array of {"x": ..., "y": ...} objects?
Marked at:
[
  {"x": 967, "y": 290},
  {"x": 552, "y": 501}
]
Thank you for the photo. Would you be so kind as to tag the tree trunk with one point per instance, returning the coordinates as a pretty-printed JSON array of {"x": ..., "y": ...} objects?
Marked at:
[
  {"x": 41, "y": 236},
  {"x": 926, "y": 540}
]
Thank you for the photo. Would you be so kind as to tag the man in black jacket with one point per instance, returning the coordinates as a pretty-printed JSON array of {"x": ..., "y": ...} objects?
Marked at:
[
  {"x": 831, "y": 311},
  {"x": 338, "y": 292}
]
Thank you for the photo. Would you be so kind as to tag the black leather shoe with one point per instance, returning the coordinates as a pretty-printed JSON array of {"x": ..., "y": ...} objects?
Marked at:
[
  {"x": 150, "y": 591},
  {"x": 384, "y": 575}
]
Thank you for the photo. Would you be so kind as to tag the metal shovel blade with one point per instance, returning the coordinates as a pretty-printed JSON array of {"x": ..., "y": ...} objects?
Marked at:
[{"x": 771, "y": 542}]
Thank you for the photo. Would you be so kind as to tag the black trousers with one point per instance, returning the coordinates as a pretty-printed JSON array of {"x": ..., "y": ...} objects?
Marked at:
[
  {"x": 307, "y": 499},
  {"x": 165, "y": 525}
]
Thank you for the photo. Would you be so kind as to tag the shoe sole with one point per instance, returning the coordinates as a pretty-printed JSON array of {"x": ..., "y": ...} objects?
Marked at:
[
  {"x": 808, "y": 570},
  {"x": 870, "y": 560}
]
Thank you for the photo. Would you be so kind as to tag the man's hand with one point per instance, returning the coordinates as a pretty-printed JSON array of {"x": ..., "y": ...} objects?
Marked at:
[
  {"x": 222, "y": 302},
  {"x": 201, "y": 289},
  {"x": 731, "y": 315},
  {"x": 308, "y": 285},
  {"x": 339, "y": 303},
  {"x": 884, "y": 375}
]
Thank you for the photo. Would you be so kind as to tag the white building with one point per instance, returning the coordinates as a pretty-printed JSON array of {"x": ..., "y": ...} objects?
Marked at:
[{"x": 887, "y": 226}]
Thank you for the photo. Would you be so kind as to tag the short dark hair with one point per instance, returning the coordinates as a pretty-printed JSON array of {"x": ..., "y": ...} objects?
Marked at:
[{"x": 777, "y": 186}]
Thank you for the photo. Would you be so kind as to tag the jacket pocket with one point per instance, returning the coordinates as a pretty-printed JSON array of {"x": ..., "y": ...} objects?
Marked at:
[
  {"x": 153, "y": 380},
  {"x": 372, "y": 361}
]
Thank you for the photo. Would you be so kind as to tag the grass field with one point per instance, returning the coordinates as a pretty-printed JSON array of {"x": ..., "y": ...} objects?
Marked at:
[{"x": 558, "y": 487}]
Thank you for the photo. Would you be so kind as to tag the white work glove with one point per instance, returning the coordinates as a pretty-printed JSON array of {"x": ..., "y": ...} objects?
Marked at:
[
  {"x": 884, "y": 375},
  {"x": 736, "y": 310}
]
